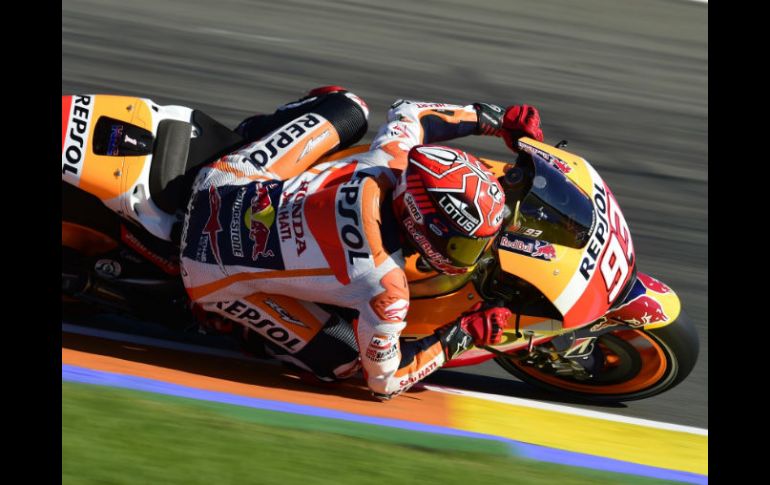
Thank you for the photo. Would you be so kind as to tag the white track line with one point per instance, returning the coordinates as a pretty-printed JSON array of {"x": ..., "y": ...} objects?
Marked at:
[{"x": 199, "y": 349}]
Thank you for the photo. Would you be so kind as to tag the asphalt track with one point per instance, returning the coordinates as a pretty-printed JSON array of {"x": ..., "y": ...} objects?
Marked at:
[{"x": 625, "y": 82}]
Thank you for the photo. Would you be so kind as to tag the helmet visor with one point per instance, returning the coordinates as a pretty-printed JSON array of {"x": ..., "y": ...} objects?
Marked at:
[
  {"x": 450, "y": 252},
  {"x": 465, "y": 251}
]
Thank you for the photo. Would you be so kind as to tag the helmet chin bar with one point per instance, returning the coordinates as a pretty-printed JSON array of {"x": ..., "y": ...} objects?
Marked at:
[
  {"x": 427, "y": 264},
  {"x": 408, "y": 248}
]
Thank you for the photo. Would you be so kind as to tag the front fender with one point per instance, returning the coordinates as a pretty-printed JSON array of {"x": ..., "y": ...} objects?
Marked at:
[{"x": 650, "y": 304}]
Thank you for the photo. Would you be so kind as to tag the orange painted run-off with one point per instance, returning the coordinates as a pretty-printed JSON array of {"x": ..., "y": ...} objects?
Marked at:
[{"x": 424, "y": 407}]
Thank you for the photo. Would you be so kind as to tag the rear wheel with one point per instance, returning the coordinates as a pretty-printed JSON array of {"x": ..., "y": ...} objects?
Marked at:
[{"x": 625, "y": 365}]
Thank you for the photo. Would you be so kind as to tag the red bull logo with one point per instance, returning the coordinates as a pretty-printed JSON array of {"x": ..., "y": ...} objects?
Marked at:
[
  {"x": 530, "y": 247},
  {"x": 259, "y": 218},
  {"x": 544, "y": 250},
  {"x": 563, "y": 167},
  {"x": 556, "y": 162},
  {"x": 640, "y": 311},
  {"x": 437, "y": 260},
  {"x": 652, "y": 284},
  {"x": 604, "y": 323}
]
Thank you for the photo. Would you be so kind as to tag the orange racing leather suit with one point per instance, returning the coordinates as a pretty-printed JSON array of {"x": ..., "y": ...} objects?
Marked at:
[{"x": 271, "y": 242}]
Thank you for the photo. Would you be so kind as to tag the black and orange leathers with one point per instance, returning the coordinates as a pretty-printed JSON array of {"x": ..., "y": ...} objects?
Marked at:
[{"x": 265, "y": 235}]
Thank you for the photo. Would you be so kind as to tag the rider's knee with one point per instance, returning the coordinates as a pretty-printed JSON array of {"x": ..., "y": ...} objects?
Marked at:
[{"x": 347, "y": 113}]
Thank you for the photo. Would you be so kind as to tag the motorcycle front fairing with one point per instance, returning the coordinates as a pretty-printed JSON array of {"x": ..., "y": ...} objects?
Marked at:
[
  {"x": 568, "y": 237},
  {"x": 649, "y": 303}
]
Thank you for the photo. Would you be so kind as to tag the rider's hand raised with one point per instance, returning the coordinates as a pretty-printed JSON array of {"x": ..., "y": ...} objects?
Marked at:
[{"x": 521, "y": 120}]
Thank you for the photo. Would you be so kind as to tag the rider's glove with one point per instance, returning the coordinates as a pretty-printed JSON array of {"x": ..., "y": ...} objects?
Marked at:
[
  {"x": 476, "y": 326},
  {"x": 490, "y": 119},
  {"x": 521, "y": 121},
  {"x": 511, "y": 123}
]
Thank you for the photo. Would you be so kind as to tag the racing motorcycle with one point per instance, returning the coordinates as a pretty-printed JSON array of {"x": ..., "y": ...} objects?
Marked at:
[{"x": 586, "y": 322}]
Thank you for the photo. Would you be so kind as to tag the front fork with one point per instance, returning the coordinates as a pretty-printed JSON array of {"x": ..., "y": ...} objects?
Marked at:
[{"x": 576, "y": 344}]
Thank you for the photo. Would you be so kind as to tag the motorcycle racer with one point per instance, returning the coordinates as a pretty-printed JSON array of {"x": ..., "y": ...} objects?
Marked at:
[{"x": 285, "y": 249}]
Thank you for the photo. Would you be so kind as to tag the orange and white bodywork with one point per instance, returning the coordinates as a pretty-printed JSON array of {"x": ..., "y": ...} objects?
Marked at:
[
  {"x": 581, "y": 283},
  {"x": 120, "y": 182}
]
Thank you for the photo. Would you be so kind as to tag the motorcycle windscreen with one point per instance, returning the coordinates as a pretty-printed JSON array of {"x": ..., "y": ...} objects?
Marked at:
[
  {"x": 554, "y": 209},
  {"x": 586, "y": 271}
]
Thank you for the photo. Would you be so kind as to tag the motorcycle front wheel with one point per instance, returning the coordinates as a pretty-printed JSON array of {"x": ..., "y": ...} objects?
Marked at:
[{"x": 627, "y": 364}]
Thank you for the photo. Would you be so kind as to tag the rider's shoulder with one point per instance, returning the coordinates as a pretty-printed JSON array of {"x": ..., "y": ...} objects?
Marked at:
[{"x": 372, "y": 186}]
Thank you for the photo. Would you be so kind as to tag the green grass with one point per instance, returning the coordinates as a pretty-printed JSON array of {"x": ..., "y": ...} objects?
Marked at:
[{"x": 118, "y": 436}]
